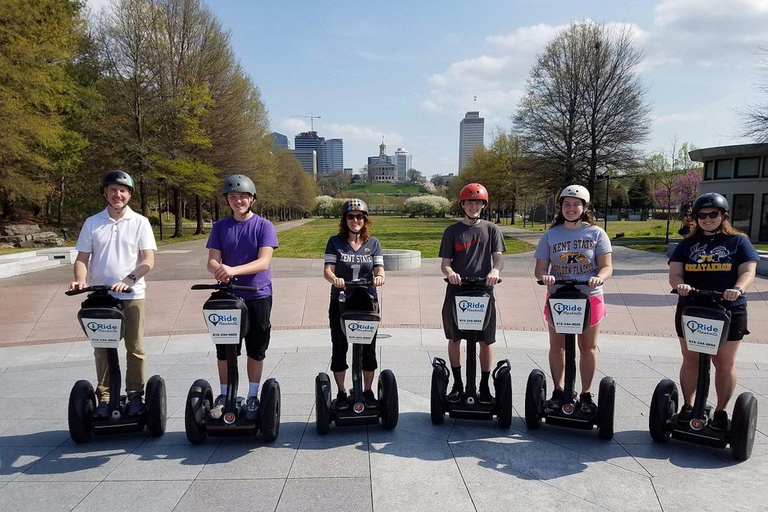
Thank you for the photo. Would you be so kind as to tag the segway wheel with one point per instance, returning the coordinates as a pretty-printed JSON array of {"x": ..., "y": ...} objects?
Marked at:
[
  {"x": 388, "y": 399},
  {"x": 322, "y": 403},
  {"x": 199, "y": 403},
  {"x": 156, "y": 406},
  {"x": 535, "y": 395},
  {"x": 663, "y": 407},
  {"x": 743, "y": 425},
  {"x": 503, "y": 385},
  {"x": 605, "y": 404},
  {"x": 82, "y": 401},
  {"x": 437, "y": 397},
  {"x": 270, "y": 410}
]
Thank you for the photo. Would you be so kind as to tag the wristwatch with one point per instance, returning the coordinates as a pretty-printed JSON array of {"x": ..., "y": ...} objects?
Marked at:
[
  {"x": 740, "y": 290},
  {"x": 132, "y": 276}
]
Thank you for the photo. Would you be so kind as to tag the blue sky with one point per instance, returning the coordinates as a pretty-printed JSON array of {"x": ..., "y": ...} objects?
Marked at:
[{"x": 409, "y": 70}]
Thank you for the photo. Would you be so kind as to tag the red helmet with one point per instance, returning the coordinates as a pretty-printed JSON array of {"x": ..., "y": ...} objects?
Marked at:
[{"x": 473, "y": 191}]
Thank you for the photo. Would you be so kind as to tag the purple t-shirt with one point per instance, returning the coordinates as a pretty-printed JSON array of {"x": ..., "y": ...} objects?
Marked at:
[{"x": 239, "y": 243}]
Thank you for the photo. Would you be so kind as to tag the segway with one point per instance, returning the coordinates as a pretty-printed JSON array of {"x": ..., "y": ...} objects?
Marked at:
[
  {"x": 570, "y": 315},
  {"x": 103, "y": 321},
  {"x": 470, "y": 311},
  {"x": 360, "y": 320},
  {"x": 705, "y": 327},
  {"x": 226, "y": 316}
]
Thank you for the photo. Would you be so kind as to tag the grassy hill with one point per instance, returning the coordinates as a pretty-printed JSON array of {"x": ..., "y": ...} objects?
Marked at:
[{"x": 384, "y": 188}]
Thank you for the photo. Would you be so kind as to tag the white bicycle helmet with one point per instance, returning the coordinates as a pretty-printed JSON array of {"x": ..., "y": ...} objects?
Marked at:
[{"x": 576, "y": 191}]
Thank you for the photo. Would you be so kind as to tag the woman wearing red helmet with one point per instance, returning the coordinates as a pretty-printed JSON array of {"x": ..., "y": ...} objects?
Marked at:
[{"x": 471, "y": 248}]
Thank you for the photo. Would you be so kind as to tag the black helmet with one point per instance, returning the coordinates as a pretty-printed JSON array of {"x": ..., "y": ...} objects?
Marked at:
[
  {"x": 710, "y": 200},
  {"x": 117, "y": 177},
  {"x": 239, "y": 183},
  {"x": 354, "y": 204}
]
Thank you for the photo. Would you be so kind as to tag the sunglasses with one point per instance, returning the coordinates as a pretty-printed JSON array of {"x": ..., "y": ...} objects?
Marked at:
[
  {"x": 358, "y": 216},
  {"x": 711, "y": 215}
]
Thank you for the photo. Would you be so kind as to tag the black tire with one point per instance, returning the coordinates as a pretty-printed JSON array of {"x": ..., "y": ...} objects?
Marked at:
[
  {"x": 605, "y": 407},
  {"x": 199, "y": 403},
  {"x": 535, "y": 395},
  {"x": 82, "y": 402},
  {"x": 663, "y": 407},
  {"x": 270, "y": 410},
  {"x": 503, "y": 387},
  {"x": 389, "y": 401},
  {"x": 437, "y": 397},
  {"x": 157, "y": 408},
  {"x": 322, "y": 403},
  {"x": 743, "y": 425}
]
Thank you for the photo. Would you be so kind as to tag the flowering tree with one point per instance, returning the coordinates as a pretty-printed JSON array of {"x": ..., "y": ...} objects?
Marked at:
[{"x": 685, "y": 188}]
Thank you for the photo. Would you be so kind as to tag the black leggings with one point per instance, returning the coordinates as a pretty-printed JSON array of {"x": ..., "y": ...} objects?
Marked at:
[{"x": 340, "y": 344}]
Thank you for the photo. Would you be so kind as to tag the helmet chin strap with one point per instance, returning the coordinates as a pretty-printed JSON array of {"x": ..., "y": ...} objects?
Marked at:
[{"x": 473, "y": 219}]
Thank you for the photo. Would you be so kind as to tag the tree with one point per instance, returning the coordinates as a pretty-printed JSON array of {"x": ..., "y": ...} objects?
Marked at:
[
  {"x": 639, "y": 194},
  {"x": 413, "y": 175},
  {"x": 756, "y": 115},
  {"x": 334, "y": 182},
  {"x": 584, "y": 106}
]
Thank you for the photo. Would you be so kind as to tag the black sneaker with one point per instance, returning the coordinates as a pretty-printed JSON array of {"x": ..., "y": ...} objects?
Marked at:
[
  {"x": 456, "y": 392},
  {"x": 136, "y": 406},
  {"x": 252, "y": 408},
  {"x": 342, "y": 401},
  {"x": 102, "y": 410},
  {"x": 556, "y": 400},
  {"x": 485, "y": 397},
  {"x": 719, "y": 421},
  {"x": 587, "y": 405},
  {"x": 685, "y": 414},
  {"x": 370, "y": 399}
]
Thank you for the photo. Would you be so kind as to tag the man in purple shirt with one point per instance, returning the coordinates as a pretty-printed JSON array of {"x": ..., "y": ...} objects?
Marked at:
[{"x": 240, "y": 249}]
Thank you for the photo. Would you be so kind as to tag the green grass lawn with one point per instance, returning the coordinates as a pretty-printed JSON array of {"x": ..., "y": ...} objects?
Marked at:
[
  {"x": 639, "y": 229},
  {"x": 309, "y": 240},
  {"x": 384, "y": 188}
]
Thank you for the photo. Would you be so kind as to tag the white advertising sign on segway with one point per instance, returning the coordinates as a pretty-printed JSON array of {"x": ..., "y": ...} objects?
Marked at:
[
  {"x": 568, "y": 315},
  {"x": 702, "y": 334},
  {"x": 470, "y": 312},
  {"x": 103, "y": 332},
  {"x": 223, "y": 325},
  {"x": 361, "y": 331}
]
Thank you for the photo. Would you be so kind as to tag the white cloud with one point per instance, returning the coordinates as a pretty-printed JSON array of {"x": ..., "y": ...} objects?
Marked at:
[
  {"x": 294, "y": 126},
  {"x": 361, "y": 135}
]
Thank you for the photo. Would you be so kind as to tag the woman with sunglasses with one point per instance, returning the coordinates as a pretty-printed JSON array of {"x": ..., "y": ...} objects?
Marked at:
[
  {"x": 715, "y": 256},
  {"x": 352, "y": 254}
]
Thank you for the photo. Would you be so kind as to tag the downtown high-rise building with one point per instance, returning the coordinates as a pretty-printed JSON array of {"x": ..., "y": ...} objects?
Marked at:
[
  {"x": 403, "y": 161},
  {"x": 333, "y": 150},
  {"x": 309, "y": 141},
  {"x": 471, "y": 137},
  {"x": 279, "y": 141}
]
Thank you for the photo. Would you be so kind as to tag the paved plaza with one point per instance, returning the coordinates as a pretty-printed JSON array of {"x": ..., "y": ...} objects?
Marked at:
[{"x": 457, "y": 466}]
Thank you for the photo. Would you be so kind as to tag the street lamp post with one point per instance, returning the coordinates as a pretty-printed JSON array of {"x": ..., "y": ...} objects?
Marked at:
[
  {"x": 607, "y": 188},
  {"x": 159, "y": 207}
]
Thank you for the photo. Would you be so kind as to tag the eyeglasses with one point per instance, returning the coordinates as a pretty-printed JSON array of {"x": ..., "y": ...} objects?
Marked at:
[
  {"x": 711, "y": 215},
  {"x": 356, "y": 216}
]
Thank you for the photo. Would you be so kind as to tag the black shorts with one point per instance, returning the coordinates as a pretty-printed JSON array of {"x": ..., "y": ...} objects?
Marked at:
[
  {"x": 450, "y": 328},
  {"x": 259, "y": 328},
  {"x": 738, "y": 327},
  {"x": 340, "y": 344}
]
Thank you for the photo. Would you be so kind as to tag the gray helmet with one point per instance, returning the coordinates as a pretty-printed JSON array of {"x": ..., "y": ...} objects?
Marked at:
[
  {"x": 118, "y": 178},
  {"x": 239, "y": 183},
  {"x": 354, "y": 204},
  {"x": 710, "y": 200}
]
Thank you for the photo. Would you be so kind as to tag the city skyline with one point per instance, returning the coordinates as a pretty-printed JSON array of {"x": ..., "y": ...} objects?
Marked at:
[{"x": 358, "y": 68}]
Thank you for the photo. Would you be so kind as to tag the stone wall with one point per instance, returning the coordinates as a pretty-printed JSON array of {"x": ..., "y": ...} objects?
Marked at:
[{"x": 27, "y": 235}]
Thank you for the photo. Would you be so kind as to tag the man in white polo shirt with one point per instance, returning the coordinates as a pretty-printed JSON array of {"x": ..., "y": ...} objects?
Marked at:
[{"x": 118, "y": 247}]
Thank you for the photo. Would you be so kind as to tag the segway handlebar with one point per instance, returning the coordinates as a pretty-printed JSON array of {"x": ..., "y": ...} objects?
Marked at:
[
  {"x": 227, "y": 287},
  {"x": 95, "y": 288},
  {"x": 566, "y": 282},
  {"x": 704, "y": 294},
  {"x": 358, "y": 282},
  {"x": 467, "y": 281}
]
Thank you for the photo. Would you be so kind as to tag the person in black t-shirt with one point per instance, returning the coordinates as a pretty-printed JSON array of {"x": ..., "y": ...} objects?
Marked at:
[
  {"x": 352, "y": 254},
  {"x": 715, "y": 256}
]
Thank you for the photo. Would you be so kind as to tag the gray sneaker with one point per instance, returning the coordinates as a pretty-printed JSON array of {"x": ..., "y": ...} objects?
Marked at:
[{"x": 252, "y": 408}]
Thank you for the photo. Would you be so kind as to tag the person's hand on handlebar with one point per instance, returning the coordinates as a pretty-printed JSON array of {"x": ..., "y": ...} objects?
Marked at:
[
  {"x": 77, "y": 285},
  {"x": 731, "y": 294},
  {"x": 378, "y": 280},
  {"x": 548, "y": 279},
  {"x": 595, "y": 281},
  {"x": 119, "y": 286},
  {"x": 492, "y": 278},
  {"x": 224, "y": 273},
  {"x": 338, "y": 282},
  {"x": 454, "y": 278},
  {"x": 683, "y": 289}
]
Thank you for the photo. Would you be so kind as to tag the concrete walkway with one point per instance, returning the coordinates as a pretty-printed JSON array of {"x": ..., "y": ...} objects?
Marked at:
[{"x": 460, "y": 465}]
